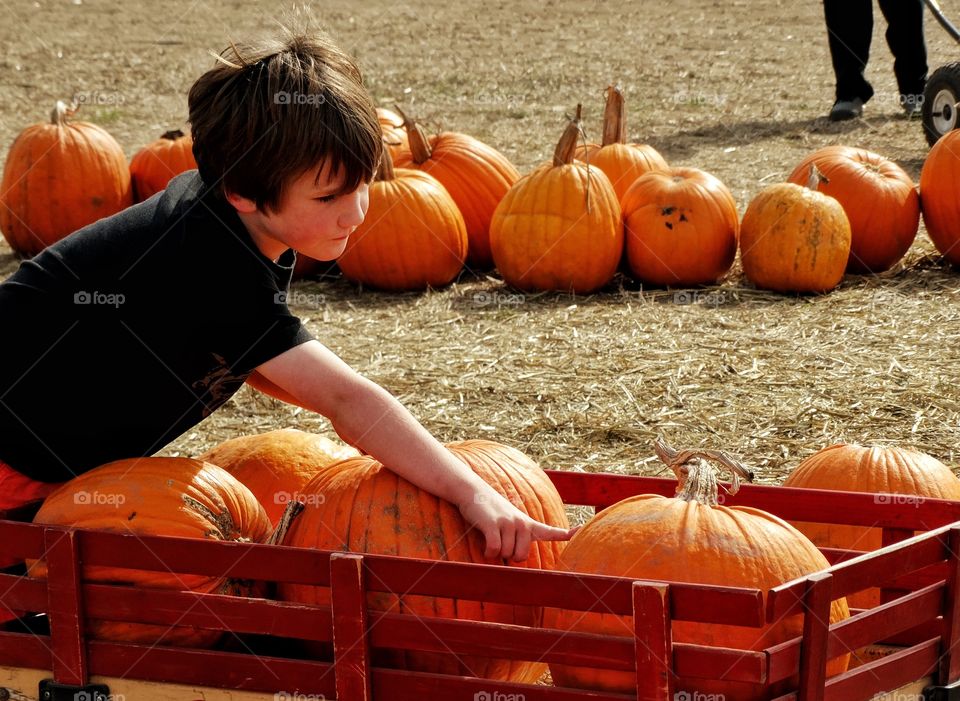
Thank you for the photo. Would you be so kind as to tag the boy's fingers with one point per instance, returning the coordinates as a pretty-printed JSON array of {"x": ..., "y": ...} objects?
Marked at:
[
  {"x": 522, "y": 549},
  {"x": 508, "y": 540},
  {"x": 492, "y": 539},
  {"x": 544, "y": 532}
]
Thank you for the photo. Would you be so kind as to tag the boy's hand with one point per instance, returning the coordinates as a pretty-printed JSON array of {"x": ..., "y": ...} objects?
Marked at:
[{"x": 507, "y": 531}]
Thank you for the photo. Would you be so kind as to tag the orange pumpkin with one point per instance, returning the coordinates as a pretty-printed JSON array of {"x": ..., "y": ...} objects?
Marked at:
[
  {"x": 689, "y": 538},
  {"x": 622, "y": 162},
  {"x": 157, "y": 496},
  {"x": 559, "y": 228},
  {"x": 413, "y": 236},
  {"x": 276, "y": 465},
  {"x": 58, "y": 178},
  {"x": 367, "y": 508},
  {"x": 883, "y": 471},
  {"x": 476, "y": 176},
  {"x": 940, "y": 195},
  {"x": 156, "y": 163},
  {"x": 681, "y": 225},
  {"x": 394, "y": 133},
  {"x": 794, "y": 239},
  {"x": 878, "y": 197}
]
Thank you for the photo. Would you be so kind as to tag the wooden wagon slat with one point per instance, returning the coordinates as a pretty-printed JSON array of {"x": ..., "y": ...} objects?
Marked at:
[
  {"x": 228, "y": 670},
  {"x": 887, "y": 674},
  {"x": 790, "y": 503},
  {"x": 64, "y": 607},
  {"x": 870, "y": 569},
  {"x": 22, "y": 593},
  {"x": 25, "y": 650},
  {"x": 877, "y": 625},
  {"x": 499, "y": 584},
  {"x": 20, "y": 541}
]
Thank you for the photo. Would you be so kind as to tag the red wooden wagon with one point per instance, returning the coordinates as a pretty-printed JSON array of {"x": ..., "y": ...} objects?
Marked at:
[{"x": 917, "y": 627}]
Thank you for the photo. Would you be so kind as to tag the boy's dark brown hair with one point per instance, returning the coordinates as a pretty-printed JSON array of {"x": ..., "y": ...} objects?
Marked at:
[{"x": 269, "y": 112}]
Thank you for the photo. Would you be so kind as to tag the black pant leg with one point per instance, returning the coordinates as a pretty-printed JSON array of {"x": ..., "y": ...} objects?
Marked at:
[
  {"x": 906, "y": 42},
  {"x": 849, "y": 30}
]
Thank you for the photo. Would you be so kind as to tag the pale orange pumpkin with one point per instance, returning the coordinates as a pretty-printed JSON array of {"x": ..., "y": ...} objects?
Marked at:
[
  {"x": 682, "y": 227},
  {"x": 157, "y": 496},
  {"x": 276, "y": 465},
  {"x": 155, "y": 164},
  {"x": 367, "y": 508},
  {"x": 559, "y": 228},
  {"x": 477, "y": 176},
  {"x": 878, "y": 197},
  {"x": 940, "y": 195},
  {"x": 883, "y": 471},
  {"x": 413, "y": 236},
  {"x": 689, "y": 538},
  {"x": 59, "y": 177},
  {"x": 794, "y": 239},
  {"x": 622, "y": 162}
]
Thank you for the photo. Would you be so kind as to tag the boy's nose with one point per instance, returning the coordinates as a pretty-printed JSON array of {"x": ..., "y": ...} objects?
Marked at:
[{"x": 355, "y": 210}]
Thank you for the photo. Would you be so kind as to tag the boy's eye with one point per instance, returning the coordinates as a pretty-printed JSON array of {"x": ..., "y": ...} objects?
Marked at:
[{"x": 326, "y": 198}]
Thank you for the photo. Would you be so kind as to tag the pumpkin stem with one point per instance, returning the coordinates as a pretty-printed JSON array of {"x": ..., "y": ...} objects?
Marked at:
[
  {"x": 172, "y": 135},
  {"x": 294, "y": 509},
  {"x": 816, "y": 177},
  {"x": 697, "y": 479},
  {"x": 385, "y": 171},
  {"x": 61, "y": 112},
  {"x": 567, "y": 146},
  {"x": 419, "y": 144},
  {"x": 614, "y": 117}
]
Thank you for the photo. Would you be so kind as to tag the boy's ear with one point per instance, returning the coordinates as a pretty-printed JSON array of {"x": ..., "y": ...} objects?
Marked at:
[{"x": 241, "y": 203}]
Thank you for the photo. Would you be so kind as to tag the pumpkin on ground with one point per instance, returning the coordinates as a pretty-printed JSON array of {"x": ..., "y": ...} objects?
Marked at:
[
  {"x": 276, "y": 465},
  {"x": 622, "y": 162},
  {"x": 689, "y": 538},
  {"x": 794, "y": 239},
  {"x": 559, "y": 228},
  {"x": 413, "y": 236},
  {"x": 157, "y": 496},
  {"x": 59, "y": 177},
  {"x": 940, "y": 195},
  {"x": 155, "y": 164},
  {"x": 883, "y": 471},
  {"x": 367, "y": 508},
  {"x": 681, "y": 226},
  {"x": 394, "y": 133},
  {"x": 878, "y": 197},
  {"x": 477, "y": 176}
]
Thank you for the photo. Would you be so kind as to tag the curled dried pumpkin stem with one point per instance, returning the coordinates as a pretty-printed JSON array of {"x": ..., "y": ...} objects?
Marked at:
[
  {"x": 417, "y": 138},
  {"x": 815, "y": 178},
  {"x": 61, "y": 112},
  {"x": 385, "y": 171},
  {"x": 696, "y": 477},
  {"x": 614, "y": 117},
  {"x": 567, "y": 146},
  {"x": 172, "y": 135}
]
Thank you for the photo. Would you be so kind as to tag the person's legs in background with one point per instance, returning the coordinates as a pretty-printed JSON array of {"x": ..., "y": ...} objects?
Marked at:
[
  {"x": 906, "y": 41},
  {"x": 849, "y": 30}
]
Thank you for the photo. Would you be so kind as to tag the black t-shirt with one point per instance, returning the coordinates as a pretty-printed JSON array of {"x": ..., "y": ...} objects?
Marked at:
[{"x": 125, "y": 334}]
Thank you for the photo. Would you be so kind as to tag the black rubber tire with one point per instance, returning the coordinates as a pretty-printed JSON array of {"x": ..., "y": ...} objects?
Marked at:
[{"x": 940, "y": 98}]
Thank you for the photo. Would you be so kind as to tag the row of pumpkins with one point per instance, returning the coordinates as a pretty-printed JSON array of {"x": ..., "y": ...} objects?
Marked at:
[
  {"x": 452, "y": 200},
  {"x": 238, "y": 491}
]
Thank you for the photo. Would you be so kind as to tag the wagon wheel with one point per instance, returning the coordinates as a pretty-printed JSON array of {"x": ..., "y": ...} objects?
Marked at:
[{"x": 940, "y": 99}]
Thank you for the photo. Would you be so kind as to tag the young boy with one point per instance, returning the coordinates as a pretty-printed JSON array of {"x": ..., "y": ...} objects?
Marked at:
[{"x": 128, "y": 332}]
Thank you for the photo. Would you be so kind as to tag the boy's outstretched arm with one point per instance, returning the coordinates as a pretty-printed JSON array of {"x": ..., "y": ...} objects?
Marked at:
[{"x": 367, "y": 416}]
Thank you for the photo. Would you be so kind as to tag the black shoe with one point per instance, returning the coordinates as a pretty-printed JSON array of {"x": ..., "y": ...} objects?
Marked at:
[
  {"x": 912, "y": 105},
  {"x": 846, "y": 109}
]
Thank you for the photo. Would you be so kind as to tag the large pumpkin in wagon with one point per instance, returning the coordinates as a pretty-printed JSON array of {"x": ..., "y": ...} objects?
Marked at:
[
  {"x": 157, "y": 496},
  {"x": 689, "y": 538},
  {"x": 361, "y": 506}
]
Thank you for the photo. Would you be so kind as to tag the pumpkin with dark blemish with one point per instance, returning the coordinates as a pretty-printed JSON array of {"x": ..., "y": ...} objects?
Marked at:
[{"x": 681, "y": 227}]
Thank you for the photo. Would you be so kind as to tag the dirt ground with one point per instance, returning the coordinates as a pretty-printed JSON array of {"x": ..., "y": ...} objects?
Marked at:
[{"x": 738, "y": 88}]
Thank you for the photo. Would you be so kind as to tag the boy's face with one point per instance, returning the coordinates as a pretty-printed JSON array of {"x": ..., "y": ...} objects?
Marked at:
[{"x": 311, "y": 219}]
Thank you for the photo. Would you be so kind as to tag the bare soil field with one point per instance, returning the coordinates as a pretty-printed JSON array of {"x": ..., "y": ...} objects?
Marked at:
[{"x": 738, "y": 88}]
